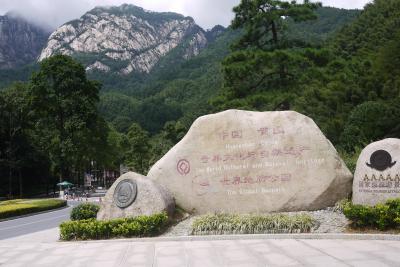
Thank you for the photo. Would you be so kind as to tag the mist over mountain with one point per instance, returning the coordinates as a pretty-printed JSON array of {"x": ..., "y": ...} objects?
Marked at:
[{"x": 20, "y": 41}]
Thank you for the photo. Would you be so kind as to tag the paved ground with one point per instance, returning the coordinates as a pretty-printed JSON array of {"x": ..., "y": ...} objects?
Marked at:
[{"x": 247, "y": 253}]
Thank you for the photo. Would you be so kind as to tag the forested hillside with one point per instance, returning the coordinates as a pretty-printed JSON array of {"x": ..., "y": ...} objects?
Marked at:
[
  {"x": 349, "y": 86},
  {"x": 181, "y": 90}
]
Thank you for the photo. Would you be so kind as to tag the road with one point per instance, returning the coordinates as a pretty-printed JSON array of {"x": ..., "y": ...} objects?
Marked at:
[{"x": 35, "y": 223}]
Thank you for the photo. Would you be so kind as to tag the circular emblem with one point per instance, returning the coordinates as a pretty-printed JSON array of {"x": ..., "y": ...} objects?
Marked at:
[
  {"x": 381, "y": 160},
  {"x": 183, "y": 167},
  {"x": 125, "y": 193}
]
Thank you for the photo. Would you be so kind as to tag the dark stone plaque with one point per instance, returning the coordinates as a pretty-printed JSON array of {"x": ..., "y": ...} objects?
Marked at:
[
  {"x": 125, "y": 193},
  {"x": 381, "y": 160}
]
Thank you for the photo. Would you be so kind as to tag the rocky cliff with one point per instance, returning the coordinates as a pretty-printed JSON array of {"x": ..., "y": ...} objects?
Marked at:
[
  {"x": 20, "y": 41},
  {"x": 126, "y": 39}
]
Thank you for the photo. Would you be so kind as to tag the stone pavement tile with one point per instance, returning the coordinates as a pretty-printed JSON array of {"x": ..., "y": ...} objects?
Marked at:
[
  {"x": 235, "y": 254},
  {"x": 284, "y": 242},
  {"x": 323, "y": 243},
  {"x": 201, "y": 253},
  {"x": 297, "y": 248},
  {"x": 364, "y": 263},
  {"x": 259, "y": 248},
  {"x": 203, "y": 257},
  {"x": 169, "y": 251},
  {"x": 244, "y": 264},
  {"x": 364, "y": 245},
  {"x": 76, "y": 262},
  {"x": 64, "y": 250},
  {"x": 97, "y": 263},
  {"x": 86, "y": 252},
  {"x": 116, "y": 247},
  {"x": 142, "y": 247},
  {"x": 16, "y": 264},
  {"x": 170, "y": 261},
  {"x": 278, "y": 259},
  {"x": 139, "y": 255},
  {"x": 344, "y": 253},
  {"x": 251, "y": 242},
  {"x": 394, "y": 244},
  {"x": 112, "y": 255},
  {"x": 209, "y": 262},
  {"x": 141, "y": 258},
  {"x": 324, "y": 261},
  {"x": 391, "y": 256},
  {"x": 27, "y": 257},
  {"x": 94, "y": 245},
  {"x": 47, "y": 260},
  {"x": 198, "y": 244},
  {"x": 10, "y": 253},
  {"x": 239, "y": 254},
  {"x": 225, "y": 243},
  {"x": 168, "y": 244}
]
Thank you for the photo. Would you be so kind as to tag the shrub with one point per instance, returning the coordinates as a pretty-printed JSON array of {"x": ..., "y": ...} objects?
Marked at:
[
  {"x": 22, "y": 207},
  {"x": 252, "y": 224},
  {"x": 84, "y": 212},
  {"x": 381, "y": 216},
  {"x": 127, "y": 227}
]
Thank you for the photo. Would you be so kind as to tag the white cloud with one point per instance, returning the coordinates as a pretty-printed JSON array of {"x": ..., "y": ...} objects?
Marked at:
[{"x": 207, "y": 13}]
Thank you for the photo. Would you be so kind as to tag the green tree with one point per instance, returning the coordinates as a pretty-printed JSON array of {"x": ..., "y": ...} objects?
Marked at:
[
  {"x": 65, "y": 102},
  {"x": 16, "y": 122},
  {"x": 369, "y": 122},
  {"x": 263, "y": 60},
  {"x": 137, "y": 147},
  {"x": 264, "y": 20}
]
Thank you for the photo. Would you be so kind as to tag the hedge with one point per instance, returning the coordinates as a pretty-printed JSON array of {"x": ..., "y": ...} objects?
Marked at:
[
  {"x": 252, "y": 224},
  {"x": 381, "y": 216},
  {"x": 84, "y": 212},
  {"x": 20, "y": 207},
  {"x": 140, "y": 226}
]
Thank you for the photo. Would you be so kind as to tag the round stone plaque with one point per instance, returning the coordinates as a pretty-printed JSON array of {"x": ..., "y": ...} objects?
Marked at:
[{"x": 125, "y": 193}]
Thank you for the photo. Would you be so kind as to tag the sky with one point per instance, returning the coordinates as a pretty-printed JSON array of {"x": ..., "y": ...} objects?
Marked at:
[{"x": 207, "y": 13}]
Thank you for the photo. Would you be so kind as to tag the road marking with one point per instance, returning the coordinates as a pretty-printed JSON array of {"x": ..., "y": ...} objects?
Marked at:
[{"x": 21, "y": 225}]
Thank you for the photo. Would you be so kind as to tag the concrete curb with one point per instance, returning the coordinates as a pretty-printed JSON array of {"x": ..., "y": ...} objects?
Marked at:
[{"x": 386, "y": 237}]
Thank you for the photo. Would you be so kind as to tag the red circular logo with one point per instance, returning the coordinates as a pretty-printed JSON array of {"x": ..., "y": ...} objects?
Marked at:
[{"x": 183, "y": 167}]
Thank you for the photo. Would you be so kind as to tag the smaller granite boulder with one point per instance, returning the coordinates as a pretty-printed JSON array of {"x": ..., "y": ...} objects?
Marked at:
[
  {"x": 133, "y": 195},
  {"x": 377, "y": 176}
]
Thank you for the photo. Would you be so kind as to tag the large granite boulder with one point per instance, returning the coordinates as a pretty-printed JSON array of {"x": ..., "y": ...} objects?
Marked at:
[
  {"x": 132, "y": 195},
  {"x": 243, "y": 162},
  {"x": 377, "y": 175}
]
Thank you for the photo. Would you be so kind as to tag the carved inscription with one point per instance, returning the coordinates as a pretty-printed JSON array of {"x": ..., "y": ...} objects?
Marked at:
[{"x": 248, "y": 161}]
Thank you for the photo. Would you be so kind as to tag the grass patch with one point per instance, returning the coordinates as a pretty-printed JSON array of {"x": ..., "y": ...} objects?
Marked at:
[
  {"x": 18, "y": 207},
  {"x": 220, "y": 224},
  {"x": 140, "y": 226}
]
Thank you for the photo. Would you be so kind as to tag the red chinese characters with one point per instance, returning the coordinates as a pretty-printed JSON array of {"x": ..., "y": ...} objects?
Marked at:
[
  {"x": 294, "y": 152},
  {"x": 260, "y": 179}
]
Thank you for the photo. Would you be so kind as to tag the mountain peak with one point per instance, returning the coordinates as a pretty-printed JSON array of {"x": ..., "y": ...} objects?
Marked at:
[
  {"x": 125, "y": 38},
  {"x": 133, "y": 10}
]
